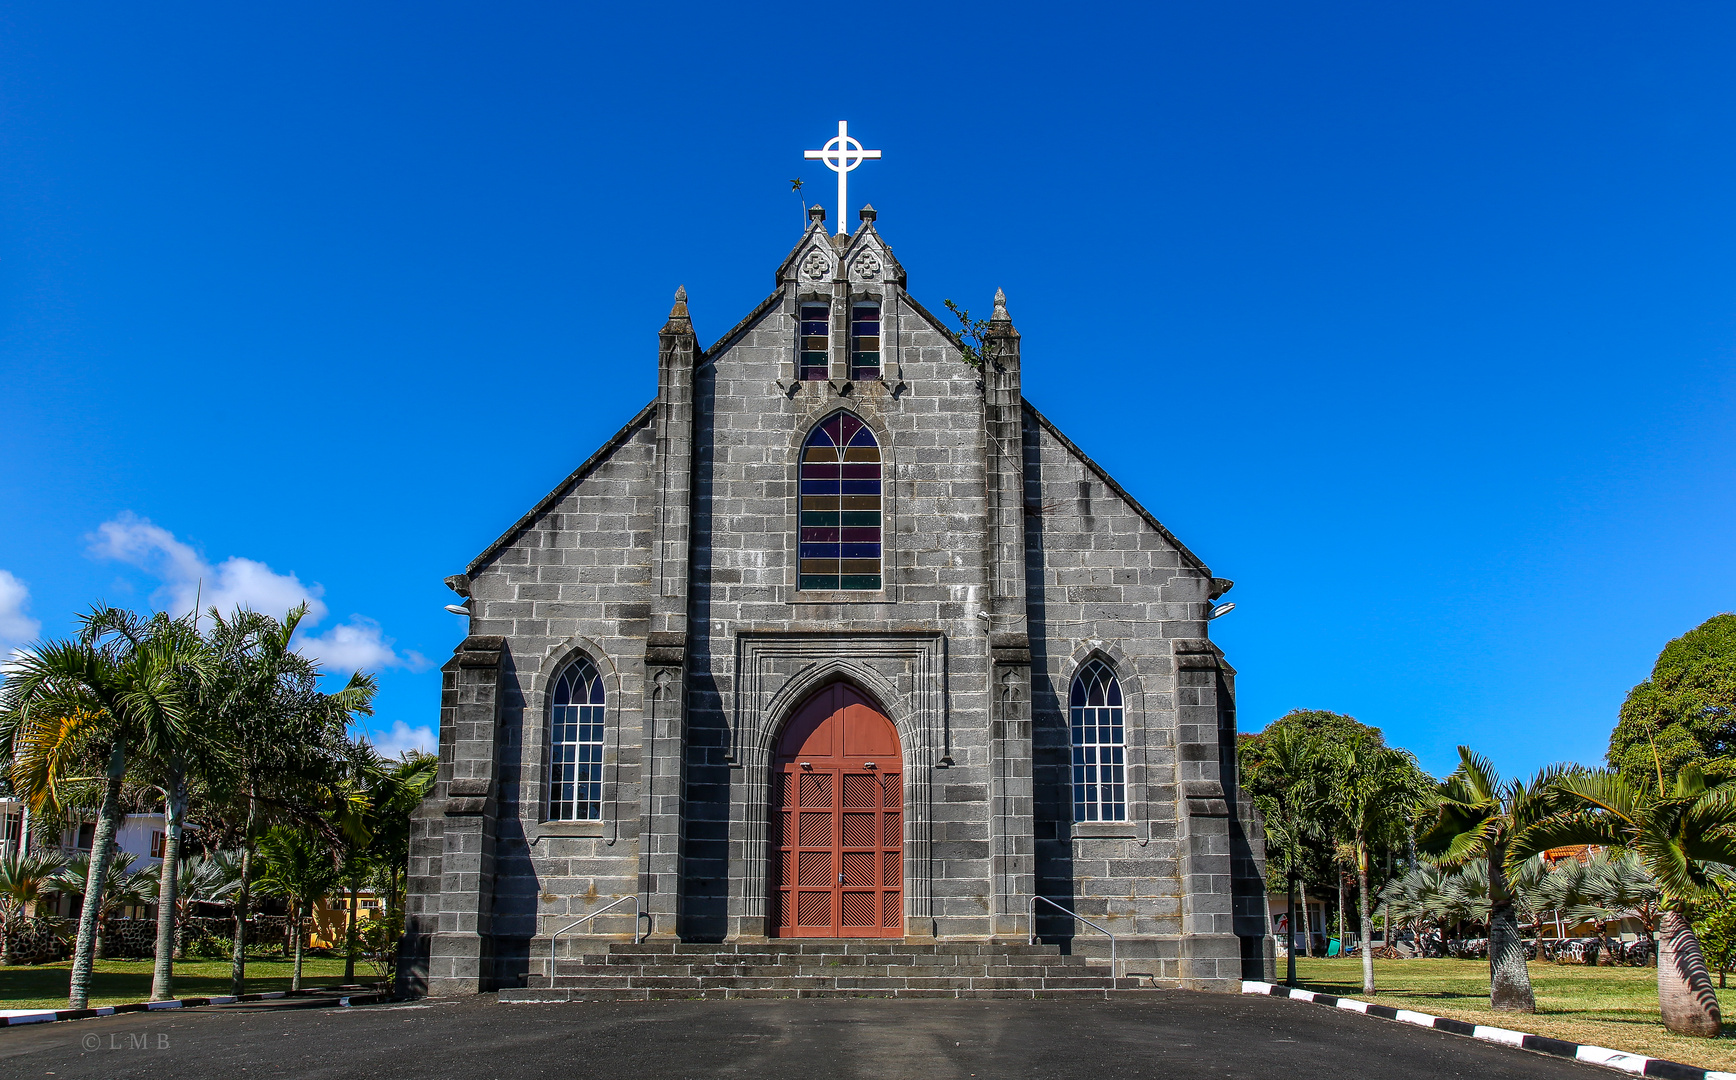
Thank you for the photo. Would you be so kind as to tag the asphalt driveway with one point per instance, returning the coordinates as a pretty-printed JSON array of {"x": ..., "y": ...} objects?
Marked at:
[{"x": 1179, "y": 1034}]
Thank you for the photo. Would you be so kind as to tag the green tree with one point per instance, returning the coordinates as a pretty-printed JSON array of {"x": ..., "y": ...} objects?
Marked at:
[
  {"x": 1685, "y": 713},
  {"x": 1278, "y": 770},
  {"x": 1687, "y": 842},
  {"x": 96, "y": 697},
  {"x": 300, "y": 867},
  {"x": 393, "y": 790},
  {"x": 1477, "y": 817},
  {"x": 1374, "y": 790},
  {"x": 1715, "y": 926},
  {"x": 286, "y": 742}
]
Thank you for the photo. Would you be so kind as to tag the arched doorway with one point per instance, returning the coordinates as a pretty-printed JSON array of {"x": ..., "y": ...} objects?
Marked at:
[{"x": 837, "y": 821}]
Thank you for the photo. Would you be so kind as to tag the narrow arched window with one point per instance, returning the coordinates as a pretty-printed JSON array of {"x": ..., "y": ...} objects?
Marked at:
[
  {"x": 840, "y": 511},
  {"x": 1099, "y": 747},
  {"x": 576, "y": 744},
  {"x": 816, "y": 341},
  {"x": 865, "y": 341}
]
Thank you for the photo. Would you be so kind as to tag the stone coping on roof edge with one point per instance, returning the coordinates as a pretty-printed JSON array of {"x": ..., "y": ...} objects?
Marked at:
[{"x": 1636, "y": 1064}]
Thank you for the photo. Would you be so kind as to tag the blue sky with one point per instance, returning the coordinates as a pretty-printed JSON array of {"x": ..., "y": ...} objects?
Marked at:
[{"x": 1415, "y": 320}]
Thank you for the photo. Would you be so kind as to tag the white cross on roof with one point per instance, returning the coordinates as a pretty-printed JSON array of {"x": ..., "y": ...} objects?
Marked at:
[{"x": 841, "y": 155}]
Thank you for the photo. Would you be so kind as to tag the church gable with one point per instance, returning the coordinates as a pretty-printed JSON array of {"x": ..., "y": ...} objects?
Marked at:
[
  {"x": 604, "y": 503},
  {"x": 1096, "y": 557},
  {"x": 1057, "y": 447}
]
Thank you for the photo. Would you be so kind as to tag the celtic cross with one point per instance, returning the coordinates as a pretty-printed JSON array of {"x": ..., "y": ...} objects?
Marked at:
[{"x": 841, "y": 155}]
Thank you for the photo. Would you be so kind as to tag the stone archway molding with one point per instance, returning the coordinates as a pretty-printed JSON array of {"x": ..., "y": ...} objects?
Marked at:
[{"x": 905, "y": 674}]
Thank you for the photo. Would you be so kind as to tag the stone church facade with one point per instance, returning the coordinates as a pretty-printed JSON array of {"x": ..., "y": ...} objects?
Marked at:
[{"x": 833, "y": 520}]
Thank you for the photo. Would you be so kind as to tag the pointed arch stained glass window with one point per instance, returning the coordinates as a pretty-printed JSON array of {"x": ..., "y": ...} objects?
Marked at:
[
  {"x": 1099, "y": 745},
  {"x": 576, "y": 744},
  {"x": 840, "y": 509},
  {"x": 816, "y": 341}
]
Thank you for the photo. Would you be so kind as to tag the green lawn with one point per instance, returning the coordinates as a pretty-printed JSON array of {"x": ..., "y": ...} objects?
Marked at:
[
  {"x": 1615, "y": 1007},
  {"x": 43, "y": 986}
]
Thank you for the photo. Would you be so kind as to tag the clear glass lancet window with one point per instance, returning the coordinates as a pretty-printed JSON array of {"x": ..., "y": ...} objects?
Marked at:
[
  {"x": 840, "y": 508},
  {"x": 865, "y": 341},
  {"x": 1099, "y": 746},
  {"x": 576, "y": 745},
  {"x": 816, "y": 340}
]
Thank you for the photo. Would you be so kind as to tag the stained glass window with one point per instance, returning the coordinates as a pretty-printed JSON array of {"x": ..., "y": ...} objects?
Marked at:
[
  {"x": 1099, "y": 771},
  {"x": 840, "y": 516},
  {"x": 576, "y": 745},
  {"x": 816, "y": 339},
  {"x": 865, "y": 341}
]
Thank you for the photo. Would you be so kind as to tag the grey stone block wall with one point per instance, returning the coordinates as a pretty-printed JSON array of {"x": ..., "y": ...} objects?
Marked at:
[{"x": 670, "y": 561}]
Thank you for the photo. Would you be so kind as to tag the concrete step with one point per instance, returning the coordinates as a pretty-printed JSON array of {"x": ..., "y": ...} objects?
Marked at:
[
  {"x": 1119, "y": 993},
  {"x": 844, "y": 946}
]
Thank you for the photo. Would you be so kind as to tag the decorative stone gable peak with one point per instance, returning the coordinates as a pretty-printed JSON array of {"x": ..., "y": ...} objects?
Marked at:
[{"x": 859, "y": 258}]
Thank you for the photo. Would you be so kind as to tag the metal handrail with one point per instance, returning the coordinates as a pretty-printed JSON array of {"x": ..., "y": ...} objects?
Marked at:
[
  {"x": 1114, "y": 963},
  {"x": 555, "y": 938}
]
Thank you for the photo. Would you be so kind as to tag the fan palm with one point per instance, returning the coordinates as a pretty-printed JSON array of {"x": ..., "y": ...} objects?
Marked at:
[
  {"x": 1686, "y": 840},
  {"x": 122, "y": 886},
  {"x": 207, "y": 879},
  {"x": 1571, "y": 890},
  {"x": 24, "y": 880},
  {"x": 1477, "y": 818},
  {"x": 64, "y": 702}
]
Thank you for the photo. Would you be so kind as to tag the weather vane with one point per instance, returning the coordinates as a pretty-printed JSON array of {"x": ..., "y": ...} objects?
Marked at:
[{"x": 841, "y": 155}]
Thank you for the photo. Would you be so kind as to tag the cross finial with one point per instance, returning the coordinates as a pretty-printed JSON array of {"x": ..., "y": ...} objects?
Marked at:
[{"x": 841, "y": 155}]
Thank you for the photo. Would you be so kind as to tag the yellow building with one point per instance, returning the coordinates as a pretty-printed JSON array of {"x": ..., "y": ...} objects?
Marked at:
[{"x": 330, "y": 913}]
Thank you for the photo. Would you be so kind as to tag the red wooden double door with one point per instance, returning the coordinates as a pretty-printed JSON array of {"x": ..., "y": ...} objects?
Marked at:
[{"x": 837, "y": 820}]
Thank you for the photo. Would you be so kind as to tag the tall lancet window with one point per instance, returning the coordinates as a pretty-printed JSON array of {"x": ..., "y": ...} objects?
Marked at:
[
  {"x": 865, "y": 341},
  {"x": 576, "y": 744},
  {"x": 840, "y": 513},
  {"x": 1099, "y": 746},
  {"x": 815, "y": 341}
]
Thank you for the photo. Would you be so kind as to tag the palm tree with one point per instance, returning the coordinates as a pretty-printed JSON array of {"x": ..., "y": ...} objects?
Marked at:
[
  {"x": 1477, "y": 818},
  {"x": 63, "y": 701},
  {"x": 181, "y": 754},
  {"x": 1686, "y": 840},
  {"x": 1287, "y": 783},
  {"x": 300, "y": 868},
  {"x": 1373, "y": 788},
  {"x": 286, "y": 741},
  {"x": 24, "y": 880},
  {"x": 122, "y": 886},
  {"x": 1624, "y": 884},
  {"x": 206, "y": 879}
]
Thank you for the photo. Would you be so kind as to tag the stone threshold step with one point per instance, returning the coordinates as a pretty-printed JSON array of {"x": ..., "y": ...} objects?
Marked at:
[
  {"x": 832, "y": 959},
  {"x": 573, "y": 967},
  {"x": 849, "y": 946},
  {"x": 563, "y": 995},
  {"x": 669, "y": 982}
]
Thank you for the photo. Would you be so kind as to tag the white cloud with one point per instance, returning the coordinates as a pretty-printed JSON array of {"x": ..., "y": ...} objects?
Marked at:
[
  {"x": 403, "y": 737},
  {"x": 357, "y": 645},
  {"x": 188, "y": 579},
  {"x": 16, "y": 625}
]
